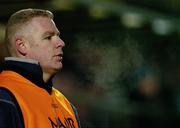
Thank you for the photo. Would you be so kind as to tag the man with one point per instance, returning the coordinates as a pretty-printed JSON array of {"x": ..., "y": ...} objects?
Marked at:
[{"x": 27, "y": 98}]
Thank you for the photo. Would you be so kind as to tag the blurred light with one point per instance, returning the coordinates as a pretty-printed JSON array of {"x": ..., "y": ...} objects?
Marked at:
[
  {"x": 2, "y": 33},
  {"x": 63, "y": 4},
  {"x": 98, "y": 11},
  {"x": 162, "y": 26},
  {"x": 132, "y": 20}
]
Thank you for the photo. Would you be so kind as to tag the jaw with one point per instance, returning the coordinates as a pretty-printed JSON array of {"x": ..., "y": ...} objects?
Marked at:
[{"x": 49, "y": 72}]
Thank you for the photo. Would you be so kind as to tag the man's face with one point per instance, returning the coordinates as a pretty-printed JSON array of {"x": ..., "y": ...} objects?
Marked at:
[{"x": 45, "y": 45}]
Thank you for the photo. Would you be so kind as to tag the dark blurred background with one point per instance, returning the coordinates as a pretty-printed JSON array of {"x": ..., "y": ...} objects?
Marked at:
[{"x": 121, "y": 60}]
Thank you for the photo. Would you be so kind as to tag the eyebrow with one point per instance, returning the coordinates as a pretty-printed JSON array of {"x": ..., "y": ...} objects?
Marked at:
[{"x": 51, "y": 33}]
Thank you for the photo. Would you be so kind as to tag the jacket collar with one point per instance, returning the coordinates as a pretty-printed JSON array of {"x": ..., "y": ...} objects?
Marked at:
[{"x": 30, "y": 69}]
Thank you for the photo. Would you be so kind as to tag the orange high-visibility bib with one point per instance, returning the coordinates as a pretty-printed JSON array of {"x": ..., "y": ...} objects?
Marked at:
[{"x": 39, "y": 108}]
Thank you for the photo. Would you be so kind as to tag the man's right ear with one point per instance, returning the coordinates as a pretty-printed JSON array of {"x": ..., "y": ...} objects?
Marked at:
[{"x": 21, "y": 46}]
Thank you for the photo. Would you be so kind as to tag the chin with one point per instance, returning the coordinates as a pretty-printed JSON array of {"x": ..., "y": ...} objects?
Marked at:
[
  {"x": 56, "y": 67},
  {"x": 55, "y": 70},
  {"x": 59, "y": 67}
]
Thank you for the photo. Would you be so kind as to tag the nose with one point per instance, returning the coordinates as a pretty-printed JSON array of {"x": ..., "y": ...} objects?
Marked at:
[{"x": 60, "y": 43}]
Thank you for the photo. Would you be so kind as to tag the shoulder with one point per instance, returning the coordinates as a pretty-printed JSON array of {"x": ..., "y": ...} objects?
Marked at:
[
  {"x": 61, "y": 98},
  {"x": 5, "y": 95},
  {"x": 10, "y": 112},
  {"x": 7, "y": 98},
  {"x": 57, "y": 93}
]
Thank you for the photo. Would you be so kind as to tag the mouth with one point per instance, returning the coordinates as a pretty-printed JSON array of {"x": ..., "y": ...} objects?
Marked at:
[{"x": 59, "y": 56}]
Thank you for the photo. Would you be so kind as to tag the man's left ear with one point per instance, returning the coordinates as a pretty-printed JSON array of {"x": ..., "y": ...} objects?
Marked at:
[{"x": 21, "y": 46}]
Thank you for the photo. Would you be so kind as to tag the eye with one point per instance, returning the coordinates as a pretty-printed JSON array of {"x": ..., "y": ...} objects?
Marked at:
[{"x": 48, "y": 37}]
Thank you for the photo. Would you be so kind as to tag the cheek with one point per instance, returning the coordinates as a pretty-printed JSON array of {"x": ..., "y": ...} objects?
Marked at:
[
  {"x": 36, "y": 53},
  {"x": 41, "y": 52},
  {"x": 45, "y": 54}
]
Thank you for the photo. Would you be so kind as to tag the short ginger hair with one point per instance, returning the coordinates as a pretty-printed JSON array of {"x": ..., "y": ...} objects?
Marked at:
[{"x": 20, "y": 19}]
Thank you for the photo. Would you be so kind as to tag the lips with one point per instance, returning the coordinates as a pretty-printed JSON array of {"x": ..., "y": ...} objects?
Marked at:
[{"x": 59, "y": 56}]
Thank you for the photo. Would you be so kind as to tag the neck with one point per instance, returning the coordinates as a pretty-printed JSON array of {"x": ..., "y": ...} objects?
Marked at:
[{"x": 46, "y": 77}]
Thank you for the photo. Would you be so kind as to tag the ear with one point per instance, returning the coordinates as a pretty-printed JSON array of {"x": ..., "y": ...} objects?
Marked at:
[{"x": 21, "y": 46}]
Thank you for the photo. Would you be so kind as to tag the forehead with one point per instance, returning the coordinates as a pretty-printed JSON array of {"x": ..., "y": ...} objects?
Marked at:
[{"x": 43, "y": 24}]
